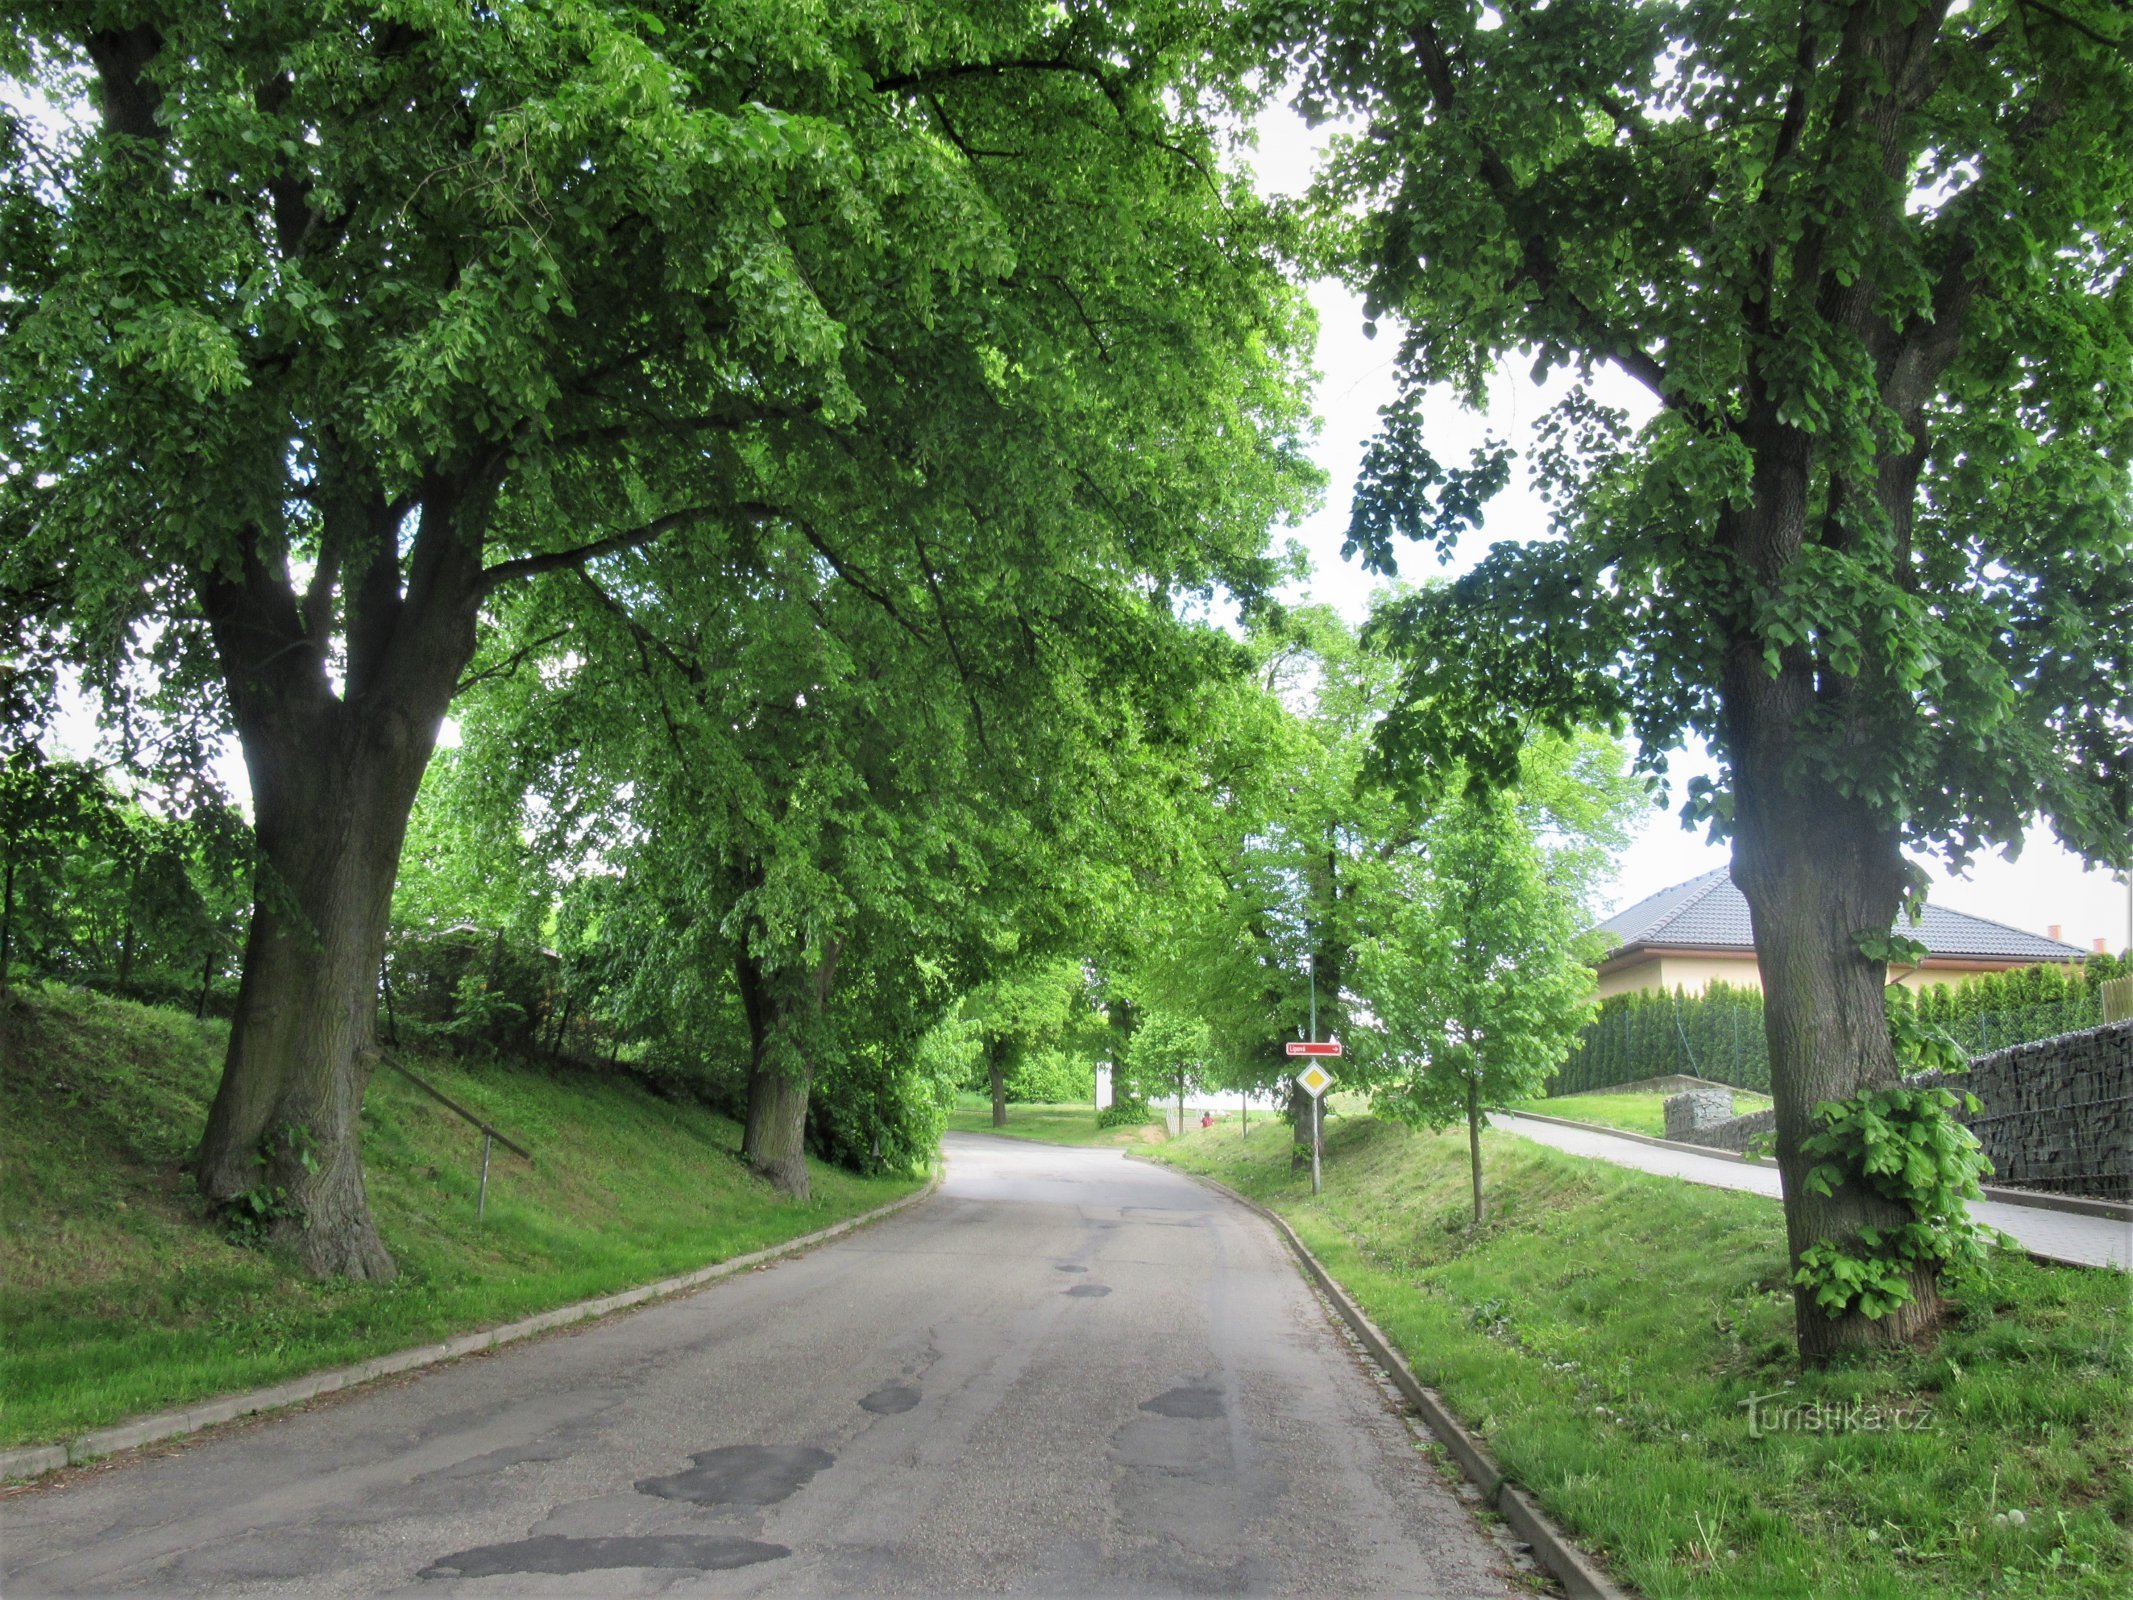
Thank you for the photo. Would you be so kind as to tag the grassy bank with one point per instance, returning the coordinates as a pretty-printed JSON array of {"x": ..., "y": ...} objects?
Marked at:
[
  {"x": 118, "y": 1297},
  {"x": 1607, "y": 1331},
  {"x": 1049, "y": 1124},
  {"x": 1639, "y": 1113}
]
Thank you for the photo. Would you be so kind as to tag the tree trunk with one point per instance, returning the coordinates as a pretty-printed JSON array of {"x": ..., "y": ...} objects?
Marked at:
[
  {"x": 1299, "y": 1128},
  {"x": 996, "y": 1069},
  {"x": 331, "y": 792},
  {"x": 7, "y": 924},
  {"x": 1473, "y": 1144},
  {"x": 334, "y": 767},
  {"x": 207, "y": 982},
  {"x": 785, "y": 1021},
  {"x": 1816, "y": 870}
]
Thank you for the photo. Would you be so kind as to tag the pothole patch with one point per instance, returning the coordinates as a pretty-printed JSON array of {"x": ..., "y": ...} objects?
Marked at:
[
  {"x": 558, "y": 1553},
  {"x": 892, "y": 1400},
  {"x": 1195, "y": 1402},
  {"x": 742, "y": 1475}
]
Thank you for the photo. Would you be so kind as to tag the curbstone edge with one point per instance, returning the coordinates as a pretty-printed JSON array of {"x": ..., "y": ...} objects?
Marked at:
[
  {"x": 32, "y": 1461},
  {"x": 1580, "y": 1576}
]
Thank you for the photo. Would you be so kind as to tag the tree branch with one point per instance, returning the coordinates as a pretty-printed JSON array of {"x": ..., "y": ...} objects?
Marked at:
[
  {"x": 955, "y": 651},
  {"x": 130, "y": 99},
  {"x": 900, "y": 82},
  {"x": 504, "y": 668},
  {"x": 838, "y": 566},
  {"x": 1538, "y": 260},
  {"x": 494, "y": 578}
]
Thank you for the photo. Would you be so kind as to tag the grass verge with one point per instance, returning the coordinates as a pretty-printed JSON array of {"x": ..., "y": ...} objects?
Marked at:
[
  {"x": 1639, "y": 1113},
  {"x": 1607, "y": 1331},
  {"x": 1048, "y": 1124},
  {"x": 118, "y": 1297}
]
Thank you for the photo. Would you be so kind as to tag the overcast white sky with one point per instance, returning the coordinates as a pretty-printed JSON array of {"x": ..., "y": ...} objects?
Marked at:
[{"x": 2048, "y": 885}]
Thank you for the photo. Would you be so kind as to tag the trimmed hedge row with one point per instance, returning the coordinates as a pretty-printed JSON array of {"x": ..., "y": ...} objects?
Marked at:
[{"x": 1719, "y": 1034}]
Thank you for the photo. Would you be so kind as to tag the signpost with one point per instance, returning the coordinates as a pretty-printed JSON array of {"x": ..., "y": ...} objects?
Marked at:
[{"x": 1315, "y": 1080}]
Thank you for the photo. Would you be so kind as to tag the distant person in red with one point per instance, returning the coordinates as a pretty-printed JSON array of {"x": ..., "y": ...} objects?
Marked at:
[{"x": 1207, "y": 1119}]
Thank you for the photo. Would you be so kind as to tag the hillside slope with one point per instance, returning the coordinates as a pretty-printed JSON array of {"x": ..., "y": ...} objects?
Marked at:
[{"x": 118, "y": 1295}]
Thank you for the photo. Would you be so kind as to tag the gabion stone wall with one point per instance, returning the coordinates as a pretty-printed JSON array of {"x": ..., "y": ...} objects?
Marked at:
[
  {"x": 2058, "y": 1114},
  {"x": 2054, "y": 1115}
]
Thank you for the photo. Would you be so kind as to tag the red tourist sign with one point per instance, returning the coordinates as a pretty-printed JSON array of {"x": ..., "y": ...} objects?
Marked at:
[{"x": 1299, "y": 1047}]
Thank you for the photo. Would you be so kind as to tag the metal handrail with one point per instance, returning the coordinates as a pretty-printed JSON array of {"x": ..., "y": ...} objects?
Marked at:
[{"x": 481, "y": 1199}]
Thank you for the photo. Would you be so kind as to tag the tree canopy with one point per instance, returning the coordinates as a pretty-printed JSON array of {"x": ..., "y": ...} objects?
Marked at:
[
  {"x": 340, "y": 323},
  {"x": 1872, "y": 547}
]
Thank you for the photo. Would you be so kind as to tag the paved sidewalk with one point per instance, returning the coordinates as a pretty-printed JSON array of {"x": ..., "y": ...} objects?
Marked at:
[{"x": 2063, "y": 1235}]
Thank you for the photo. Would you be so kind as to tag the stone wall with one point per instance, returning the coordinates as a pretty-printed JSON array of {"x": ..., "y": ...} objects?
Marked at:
[{"x": 2054, "y": 1115}]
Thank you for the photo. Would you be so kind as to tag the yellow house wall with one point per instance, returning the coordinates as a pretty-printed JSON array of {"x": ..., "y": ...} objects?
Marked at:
[{"x": 1694, "y": 974}]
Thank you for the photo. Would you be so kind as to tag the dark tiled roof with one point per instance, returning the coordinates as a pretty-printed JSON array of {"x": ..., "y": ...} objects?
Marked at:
[{"x": 1709, "y": 913}]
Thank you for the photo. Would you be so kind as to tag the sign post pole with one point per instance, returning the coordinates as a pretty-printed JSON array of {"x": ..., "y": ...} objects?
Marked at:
[{"x": 1315, "y": 1080}]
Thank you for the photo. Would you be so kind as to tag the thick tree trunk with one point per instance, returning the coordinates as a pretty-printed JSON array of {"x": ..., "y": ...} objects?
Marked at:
[
  {"x": 997, "y": 1071},
  {"x": 1817, "y": 870},
  {"x": 334, "y": 766},
  {"x": 775, "y": 1140},
  {"x": 1299, "y": 1128},
  {"x": 1473, "y": 1145},
  {"x": 7, "y": 925},
  {"x": 331, "y": 797},
  {"x": 785, "y": 1011}
]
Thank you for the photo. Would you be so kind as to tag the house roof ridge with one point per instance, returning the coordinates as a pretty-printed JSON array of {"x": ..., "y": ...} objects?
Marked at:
[{"x": 1708, "y": 912}]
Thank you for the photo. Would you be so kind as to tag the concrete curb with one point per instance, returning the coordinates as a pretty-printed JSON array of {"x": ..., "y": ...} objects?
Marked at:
[
  {"x": 1579, "y": 1575},
  {"x": 31, "y": 1461},
  {"x": 2078, "y": 1205}
]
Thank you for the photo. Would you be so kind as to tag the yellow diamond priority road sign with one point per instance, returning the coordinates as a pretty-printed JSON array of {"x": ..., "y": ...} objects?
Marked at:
[{"x": 1315, "y": 1079}]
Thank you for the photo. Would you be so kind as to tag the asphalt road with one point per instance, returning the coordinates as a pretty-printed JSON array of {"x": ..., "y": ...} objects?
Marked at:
[{"x": 1065, "y": 1374}]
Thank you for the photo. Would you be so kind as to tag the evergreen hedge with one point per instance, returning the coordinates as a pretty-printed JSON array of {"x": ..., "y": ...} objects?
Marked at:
[{"x": 1719, "y": 1034}]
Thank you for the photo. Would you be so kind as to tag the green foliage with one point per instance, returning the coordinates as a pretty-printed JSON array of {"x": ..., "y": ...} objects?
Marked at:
[
  {"x": 1169, "y": 1054},
  {"x": 99, "y": 888},
  {"x": 1905, "y": 1144},
  {"x": 1693, "y": 196},
  {"x": 1717, "y": 1034},
  {"x": 1479, "y": 973},
  {"x": 1871, "y": 543},
  {"x": 1125, "y": 1113},
  {"x": 886, "y": 379},
  {"x": 1052, "y": 1077},
  {"x": 249, "y": 1218}
]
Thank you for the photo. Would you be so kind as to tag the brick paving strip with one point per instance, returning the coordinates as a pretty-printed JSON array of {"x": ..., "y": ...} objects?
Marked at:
[
  {"x": 2087, "y": 1235},
  {"x": 29, "y": 1461}
]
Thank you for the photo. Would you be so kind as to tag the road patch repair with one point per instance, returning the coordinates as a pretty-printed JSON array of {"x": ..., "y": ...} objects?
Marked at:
[{"x": 560, "y": 1555}]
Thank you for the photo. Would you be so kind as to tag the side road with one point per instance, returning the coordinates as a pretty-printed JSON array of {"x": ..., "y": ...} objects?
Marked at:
[{"x": 2048, "y": 1232}]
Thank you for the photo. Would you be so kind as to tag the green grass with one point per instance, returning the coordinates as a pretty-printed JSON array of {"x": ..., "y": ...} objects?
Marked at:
[
  {"x": 1639, "y": 1113},
  {"x": 1049, "y": 1124},
  {"x": 1604, "y": 1331},
  {"x": 118, "y": 1297}
]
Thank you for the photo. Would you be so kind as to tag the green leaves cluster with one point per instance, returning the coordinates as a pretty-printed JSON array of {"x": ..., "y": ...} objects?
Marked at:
[{"x": 1905, "y": 1144}]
